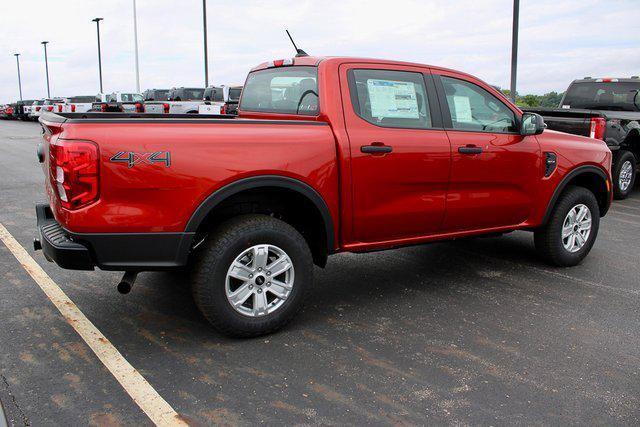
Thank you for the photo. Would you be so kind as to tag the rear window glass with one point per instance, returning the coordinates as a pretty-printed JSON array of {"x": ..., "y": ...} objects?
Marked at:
[
  {"x": 130, "y": 97},
  {"x": 190, "y": 94},
  {"x": 81, "y": 99},
  {"x": 157, "y": 95},
  {"x": 603, "y": 95},
  {"x": 286, "y": 90},
  {"x": 234, "y": 94}
]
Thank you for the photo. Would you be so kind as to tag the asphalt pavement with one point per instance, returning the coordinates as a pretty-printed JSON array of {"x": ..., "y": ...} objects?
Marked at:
[{"x": 473, "y": 332}]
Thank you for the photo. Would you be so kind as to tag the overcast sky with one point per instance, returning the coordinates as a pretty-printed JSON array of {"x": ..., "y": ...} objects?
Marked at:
[{"x": 559, "y": 39}]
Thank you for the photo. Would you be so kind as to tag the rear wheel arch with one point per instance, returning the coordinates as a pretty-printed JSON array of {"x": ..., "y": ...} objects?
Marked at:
[
  {"x": 632, "y": 143},
  {"x": 289, "y": 199},
  {"x": 590, "y": 177}
]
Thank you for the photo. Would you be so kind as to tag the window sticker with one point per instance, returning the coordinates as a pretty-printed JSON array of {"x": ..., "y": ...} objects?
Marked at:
[
  {"x": 393, "y": 99},
  {"x": 463, "y": 109}
]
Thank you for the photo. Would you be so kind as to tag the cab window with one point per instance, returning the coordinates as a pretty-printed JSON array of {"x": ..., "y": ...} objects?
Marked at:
[
  {"x": 284, "y": 90},
  {"x": 396, "y": 99},
  {"x": 474, "y": 109}
]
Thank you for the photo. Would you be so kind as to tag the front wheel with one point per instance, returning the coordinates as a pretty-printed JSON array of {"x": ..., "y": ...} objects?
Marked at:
[
  {"x": 571, "y": 231},
  {"x": 253, "y": 276},
  {"x": 624, "y": 175}
]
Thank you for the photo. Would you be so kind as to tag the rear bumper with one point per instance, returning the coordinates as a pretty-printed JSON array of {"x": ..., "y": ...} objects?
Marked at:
[{"x": 110, "y": 251}]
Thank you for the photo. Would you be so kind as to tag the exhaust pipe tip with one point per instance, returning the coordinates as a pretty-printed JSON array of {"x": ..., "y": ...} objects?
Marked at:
[{"x": 127, "y": 281}]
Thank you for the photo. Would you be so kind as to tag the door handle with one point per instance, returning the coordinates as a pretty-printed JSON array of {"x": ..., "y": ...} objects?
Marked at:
[
  {"x": 470, "y": 149},
  {"x": 376, "y": 149}
]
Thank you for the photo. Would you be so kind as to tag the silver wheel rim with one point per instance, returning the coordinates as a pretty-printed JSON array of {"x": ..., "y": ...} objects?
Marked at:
[
  {"x": 576, "y": 228},
  {"x": 626, "y": 173},
  {"x": 259, "y": 280}
]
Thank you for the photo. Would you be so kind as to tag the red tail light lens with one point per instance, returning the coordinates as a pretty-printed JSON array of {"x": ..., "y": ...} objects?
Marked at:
[
  {"x": 50, "y": 108},
  {"x": 103, "y": 108},
  {"x": 59, "y": 108},
  {"x": 37, "y": 108},
  {"x": 223, "y": 109},
  {"x": 165, "y": 107},
  {"x": 73, "y": 166},
  {"x": 73, "y": 108},
  {"x": 138, "y": 107},
  {"x": 598, "y": 126}
]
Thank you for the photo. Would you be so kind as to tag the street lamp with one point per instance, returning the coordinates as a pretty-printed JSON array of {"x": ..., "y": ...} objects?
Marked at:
[
  {"x": 514, "y": 48},
  {"x": 206, "y": 61},
  {"x": 135, "y": 37},
  {"x": 19, "y": 81},
  {"x": 46, "y": 67},
  {"x": 97, "y": 21}
]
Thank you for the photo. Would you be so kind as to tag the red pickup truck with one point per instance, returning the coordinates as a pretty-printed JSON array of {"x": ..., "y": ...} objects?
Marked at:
[{"x": 327, "y": 155}]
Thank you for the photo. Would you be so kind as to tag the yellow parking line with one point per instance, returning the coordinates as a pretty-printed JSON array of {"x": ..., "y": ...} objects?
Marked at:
[{"x": 145, "y": 396}]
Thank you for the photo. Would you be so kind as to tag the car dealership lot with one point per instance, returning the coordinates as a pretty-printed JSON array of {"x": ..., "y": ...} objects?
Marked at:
[{"x": 472, "y": 332}]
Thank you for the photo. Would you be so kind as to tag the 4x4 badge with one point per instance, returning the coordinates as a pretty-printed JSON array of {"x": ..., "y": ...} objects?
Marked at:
[{"x": 132, "y": 159}]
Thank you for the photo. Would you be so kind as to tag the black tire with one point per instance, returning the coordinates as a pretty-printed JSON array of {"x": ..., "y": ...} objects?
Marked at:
[
  {"x": 221, "y": 249},
  {"x": 623, "y": 157},
  {"x": 548, "y": 239}
]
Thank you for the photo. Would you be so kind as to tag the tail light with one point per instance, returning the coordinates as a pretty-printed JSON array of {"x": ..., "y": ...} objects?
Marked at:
[
  {"x": 37, "y": 108},
  {"x": 73, "y": 166},
  {"x": 103, "y": 108},
  {"x": 165, "y": 107},
  {"x": 598, "y": 126},
  {"x": 138, "y": 107},
  {"x": 223, "y": 109},
  {"x": 59, "y": 108},
  {"x": 73, "y": 108},
  {"x": 50, "y": 108}
]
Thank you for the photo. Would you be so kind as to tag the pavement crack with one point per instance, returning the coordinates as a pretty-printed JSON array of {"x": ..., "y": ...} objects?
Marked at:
[{"x": 23, "y": 416}]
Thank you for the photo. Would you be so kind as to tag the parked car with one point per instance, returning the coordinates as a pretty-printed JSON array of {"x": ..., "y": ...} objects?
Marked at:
[
  {"x": 181, "y": 100},
  {"x": 6, "y": 112},
  {"x": 374, "y": 155},
  {"x": 156, "y": 95},
  {"x": 221, "y": 100},
  {"x": 76, "y": 104},
  {"x": 118, "y": 102},
  {"x": 22, "y": 108},
  {"x": 48, "y": 105},
  {"x": 607, "y": 109},
  {"x": 35, "y": 108}
]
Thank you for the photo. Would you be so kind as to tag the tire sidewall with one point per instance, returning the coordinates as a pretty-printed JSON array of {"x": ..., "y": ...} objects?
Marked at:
[
  {"x": 624, "y": 157},
  {"x": 573, "y": 198},
  {"x": 220, "y": 260}
]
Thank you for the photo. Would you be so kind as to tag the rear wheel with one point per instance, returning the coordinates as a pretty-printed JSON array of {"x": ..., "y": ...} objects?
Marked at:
[
  {"x": 624, "y": 175},
  {"x": 571, "y": 231},
  {"x": 253, "y": 276}
]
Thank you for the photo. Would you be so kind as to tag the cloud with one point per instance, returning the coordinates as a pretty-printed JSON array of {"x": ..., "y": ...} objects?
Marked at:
[{"x": 559, "y": 41}]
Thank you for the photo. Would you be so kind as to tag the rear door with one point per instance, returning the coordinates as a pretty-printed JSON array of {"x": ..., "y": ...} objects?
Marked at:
[
  {"x": 400, "y": 154},
  {"x": 495, "y": 172}
]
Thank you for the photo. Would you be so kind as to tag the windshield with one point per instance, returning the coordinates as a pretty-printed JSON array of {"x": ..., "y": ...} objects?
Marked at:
[
  {"x": 234, "y": 94},
  {"x": 621, "y": 96},
  {"x": 285, "y": 90}
]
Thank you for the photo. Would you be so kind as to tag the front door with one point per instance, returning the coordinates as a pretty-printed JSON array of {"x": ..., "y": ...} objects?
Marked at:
[
  {"x": 400, "y": 154},
  {"x": 495, "y": 171}
]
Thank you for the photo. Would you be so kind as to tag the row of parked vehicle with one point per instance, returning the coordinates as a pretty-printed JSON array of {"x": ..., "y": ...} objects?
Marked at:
[{"x": 181, "y": 100}]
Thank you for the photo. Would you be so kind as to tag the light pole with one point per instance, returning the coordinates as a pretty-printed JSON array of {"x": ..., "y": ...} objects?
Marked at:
[
  {"x": 206, "y": 61},
  {"x": 97, "y": 21},
  {"x": 46, "y": 67},
  {"x": 19, "y": 81},
  {"x": 514, "y": 49},
  {"x": 135, "y": 37}
]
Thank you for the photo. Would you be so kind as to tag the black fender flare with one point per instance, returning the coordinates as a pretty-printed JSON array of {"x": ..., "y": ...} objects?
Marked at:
[
  {"x": 565, "y": 181},
  {"x": 235, "y": 187}
]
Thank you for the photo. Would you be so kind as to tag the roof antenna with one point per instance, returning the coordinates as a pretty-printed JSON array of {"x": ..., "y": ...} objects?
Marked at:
[{"x": 299, "y": 52}]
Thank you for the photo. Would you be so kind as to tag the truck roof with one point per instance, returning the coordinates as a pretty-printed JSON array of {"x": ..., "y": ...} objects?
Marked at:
[
  {"x": 316, "y": 60},
  {"x": 634, "y": 79}
]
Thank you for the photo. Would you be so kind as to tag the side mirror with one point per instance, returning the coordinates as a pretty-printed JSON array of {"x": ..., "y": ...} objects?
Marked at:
[{"x": 532, "y": 124}]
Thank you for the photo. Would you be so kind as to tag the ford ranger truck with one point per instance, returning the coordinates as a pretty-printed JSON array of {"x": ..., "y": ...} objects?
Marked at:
[
  {"x": 607, "y": 109},
  {"x": 181, "y": 100},
  {"x": 327, "y": 155}
]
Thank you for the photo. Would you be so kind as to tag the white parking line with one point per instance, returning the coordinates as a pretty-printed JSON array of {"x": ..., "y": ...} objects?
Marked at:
[{"x": 145, "y": 396}]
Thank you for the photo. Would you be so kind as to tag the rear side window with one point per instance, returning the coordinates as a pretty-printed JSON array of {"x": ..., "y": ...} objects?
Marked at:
[
  {"x": 473, "y": 108},
  {"x": 286, "y": 90},
  {"x": 395, "y": 99},
  {"x": 234, "y": 94}
]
